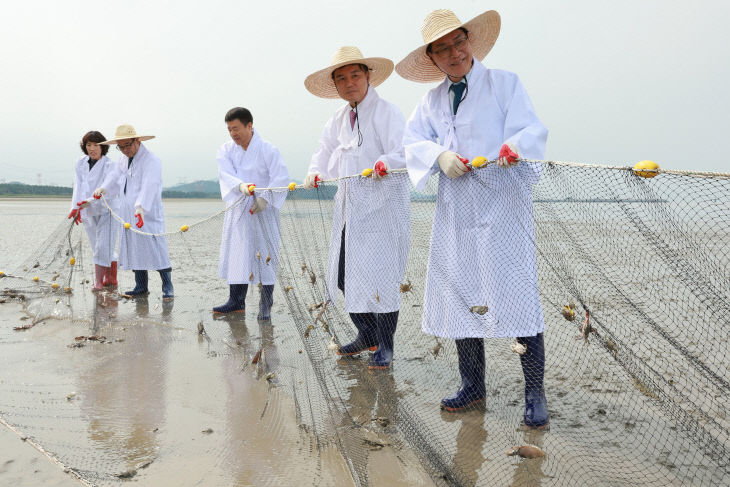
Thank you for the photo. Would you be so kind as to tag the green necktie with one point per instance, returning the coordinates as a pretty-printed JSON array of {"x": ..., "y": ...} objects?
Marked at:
[{"x": 458, "y": 89}]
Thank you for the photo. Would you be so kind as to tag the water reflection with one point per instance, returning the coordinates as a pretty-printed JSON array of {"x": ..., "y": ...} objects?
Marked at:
[
  {"x": 121, "y": 386},
  {"x": 470, "y": 440}
]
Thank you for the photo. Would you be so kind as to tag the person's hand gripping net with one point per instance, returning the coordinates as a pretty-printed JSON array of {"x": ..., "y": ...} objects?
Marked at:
[{"x": 452, "y": 164}]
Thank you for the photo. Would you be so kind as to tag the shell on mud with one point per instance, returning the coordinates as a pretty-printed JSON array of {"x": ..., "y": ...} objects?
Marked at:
[{"x": 526, "y": 451}]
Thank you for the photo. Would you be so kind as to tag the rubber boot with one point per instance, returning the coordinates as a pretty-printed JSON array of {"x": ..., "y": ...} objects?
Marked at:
[
  {"x": 110, "y": 278},
  {"x": 140, "y": 284},
  {"x": 533, "y": 367},
  {"x": 366, "y": 339},
  {"x": 167, "y": 290},
  {"x": 236, "y": 300},
  {"x": 267, "y": 300},
  {"x": 99, "y": 273},
  {"x": 382, "y": 357},
  {"x": 471, "y": 368}
]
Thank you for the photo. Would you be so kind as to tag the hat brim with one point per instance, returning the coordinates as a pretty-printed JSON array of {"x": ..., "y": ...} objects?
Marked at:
[
  {"x": 483, "y": 32},
  {"x": 117, "y": 139},
  {"x": 322, "y": 85}
]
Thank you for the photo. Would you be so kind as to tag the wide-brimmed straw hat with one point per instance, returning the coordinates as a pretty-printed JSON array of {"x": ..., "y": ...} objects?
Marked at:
[
  {"x": 126, "y": 132},
  {"x": 483, "y": 32},
  {"x": 321, "y": 83}
]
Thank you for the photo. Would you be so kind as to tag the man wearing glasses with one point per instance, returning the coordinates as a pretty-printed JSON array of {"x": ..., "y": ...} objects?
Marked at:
[
  {"x": 482, "y": 271},
  {"x": 139, "y": 181}
]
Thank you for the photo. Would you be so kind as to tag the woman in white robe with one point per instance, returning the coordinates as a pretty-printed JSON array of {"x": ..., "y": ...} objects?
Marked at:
[
  {"x": 89, "y": 173},
  {"x": 249, "y": 252},
  {"x": 483, "y": 255},
  {"x": 138, "y": 180},
  {"x": 371, "y": 217}
]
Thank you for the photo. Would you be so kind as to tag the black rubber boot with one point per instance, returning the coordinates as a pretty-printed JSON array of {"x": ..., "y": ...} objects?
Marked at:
[
  {"x": 366, "y": 339},
  {"x": 267, "y": 300},
  {"x": 167, "y": 290},
  {"x": 140, "y": 284},
  {"x": 471, "y": 368},
  {"x": 533, "y": 367},
  {"x": 236, "y": 300},
  {"x": 387, "y": 323}
]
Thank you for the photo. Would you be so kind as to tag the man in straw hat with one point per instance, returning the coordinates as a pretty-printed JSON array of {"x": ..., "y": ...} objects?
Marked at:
[
  {"x": 370, "y": 225},
  {"x": 249, "y": 250},
  {"x": 482, "y": 279},
  {"x": 138, "y": 179}
]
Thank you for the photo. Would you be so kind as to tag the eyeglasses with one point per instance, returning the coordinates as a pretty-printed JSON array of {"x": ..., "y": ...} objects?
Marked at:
[
  {"x": 458, "y": 44},
  {"x": 121, "y": 147}
]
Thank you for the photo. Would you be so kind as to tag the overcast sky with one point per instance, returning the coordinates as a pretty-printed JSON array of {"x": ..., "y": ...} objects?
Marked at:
[{"x": 615, "y": 82}]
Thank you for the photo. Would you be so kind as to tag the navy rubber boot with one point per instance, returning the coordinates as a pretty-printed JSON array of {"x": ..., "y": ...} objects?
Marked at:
[
  {"x": 366, "y": 339},
  {"x": 533, "y": 367},
  {"x": 382, "y": 357},
  {"x": 140, "y": 284},
  {"x": 471, "y": 367},
  {"x": 267, "y": 300},
  {"x": 236, "y": 300},
  {"x": 167, "y": 290}
]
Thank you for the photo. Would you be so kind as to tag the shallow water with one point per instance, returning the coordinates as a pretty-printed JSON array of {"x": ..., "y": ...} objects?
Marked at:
[{"x": 146, "y": 398}]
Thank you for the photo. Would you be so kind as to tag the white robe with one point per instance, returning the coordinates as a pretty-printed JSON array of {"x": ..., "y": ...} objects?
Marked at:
[
  {"x": 483, "y": 239},
  {"x": 100, "y": 227},
  {"x": 376, "y": 212},
  {"x": 246, "y": 235},
  {"x": 143, "y": 182}
]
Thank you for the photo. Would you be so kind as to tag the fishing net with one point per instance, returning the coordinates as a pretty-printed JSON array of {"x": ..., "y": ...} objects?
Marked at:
[{"x": 633, "y": 278}]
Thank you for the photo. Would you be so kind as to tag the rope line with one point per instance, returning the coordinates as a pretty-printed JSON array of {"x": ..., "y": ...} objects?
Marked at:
[{"x": 702, "y": 174}]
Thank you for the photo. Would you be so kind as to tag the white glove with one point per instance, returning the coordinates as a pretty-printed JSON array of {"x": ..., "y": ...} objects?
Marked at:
[
  {"x": 259, "y": 205},
  {"x": 310, "y": 180},
  {"x": 451, "y": 165},
  {"x": 98, "y": 192},
  {"x": 508, "y": 155},
  {"x": 379, "y": 167},
  {"x": 243, "y": 188}
]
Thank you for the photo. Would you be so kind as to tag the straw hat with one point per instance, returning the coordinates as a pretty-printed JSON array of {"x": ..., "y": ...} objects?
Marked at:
[
  {"x": 483, "y": 32},
  {"x": 126, "y": 132},
  {"x": 321, "y": 83}
]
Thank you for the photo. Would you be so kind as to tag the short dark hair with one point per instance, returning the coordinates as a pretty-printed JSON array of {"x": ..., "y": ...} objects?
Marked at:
[
  {"x": 239, "y": 113},
  {"x": 364, "y": 68},
  {"x": 430, "y": 45},
  {"x": 94, "y": 136}
]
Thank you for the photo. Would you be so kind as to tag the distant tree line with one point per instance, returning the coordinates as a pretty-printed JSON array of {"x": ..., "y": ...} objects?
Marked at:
[{"x": 20, "y": 189}]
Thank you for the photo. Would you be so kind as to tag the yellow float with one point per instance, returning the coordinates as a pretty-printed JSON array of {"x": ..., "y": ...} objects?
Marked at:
[
  {"x": 127, "y": 225},
  {"x": 184, "y": 228},
  {"x": 72, "y": 260},
  {"x": 367, "y": 172},
  {"x": 646, "y": 169},
  {"x": 478, "y": 161},
  {"x": 292, "y": 186}
]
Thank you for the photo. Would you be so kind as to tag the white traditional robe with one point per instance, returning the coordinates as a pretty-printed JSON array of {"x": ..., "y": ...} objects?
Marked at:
[
  {"x": 376, "y": 212},
  {"x": 246, "y": 235},
  {"x": 100, "y": 227},
  {"x": 143, "y": 183},
  {"x": 483, "y": 239}
]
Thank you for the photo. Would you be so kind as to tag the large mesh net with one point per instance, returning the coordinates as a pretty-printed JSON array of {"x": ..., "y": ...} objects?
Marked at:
[{"x": 632, "y": 275}]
